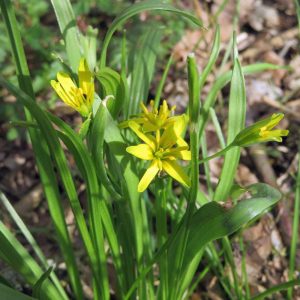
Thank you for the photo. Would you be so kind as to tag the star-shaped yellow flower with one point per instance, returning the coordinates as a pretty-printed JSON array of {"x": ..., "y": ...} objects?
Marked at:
[
  {"x": 261, "y": 131},
  {"x": 80, "y": 98},
  {"x": 162, "y": 150},
  {"x": 154, "y": 119}
]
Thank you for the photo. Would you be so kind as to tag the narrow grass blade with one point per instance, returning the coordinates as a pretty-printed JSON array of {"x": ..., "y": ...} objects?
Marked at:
[
  {"x": 27, "y": 234},
  {"x": 222, "y": 81},
  {"x": 68, "y": 28},
  {"x": 277, "y": 288},
  {"x": 86, "y": 166},
  {"x": 293, "y": 250},
  {"x": 141, "y": 70},
  {"x": 128, "y": 179},
  {"x": 44, "y": 163},
  {"x": 37, "y": 288},
  {"x": 95, "y": 201},
  {"x": 194, "y": 109},
  {"x": 19, "y": 259},
  {"x": 8, "y": 293},
  {"x": 136, "y": 9},
  {"x": 162, "y": 82},
  {"x": 212, "y": 58},
  {"x": 63, "y": 169},
  {"x": 236, "y": 122}
]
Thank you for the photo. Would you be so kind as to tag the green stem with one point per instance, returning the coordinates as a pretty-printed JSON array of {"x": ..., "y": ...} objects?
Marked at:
[
  {"x": 244, "y": 267},
  {"x": 162, "y": 82},
  {"x": 277, "y": 288},
  {"x": 161, "y": 229},
  {"x": 219, "y": 153},
  {"x": 230, "y": 259},
  {"x": 194, "y": 108},
  {"x": 294, "y": 241}
]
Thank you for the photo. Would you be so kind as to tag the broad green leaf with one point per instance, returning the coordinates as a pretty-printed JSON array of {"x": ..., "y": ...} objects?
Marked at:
[
  {"x": 111, "y": 83},
  {"x": 136, "y": 9},
  {"x": 213, "y": 221},
  {"x": 8, "y": 293}
]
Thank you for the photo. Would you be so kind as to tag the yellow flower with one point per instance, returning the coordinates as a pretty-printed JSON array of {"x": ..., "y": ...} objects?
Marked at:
[
  {"x": 162, "y": 150},
  {"x": 261, "y": 131},
  {"x": 80, "y": 98},
  {"x": 155, "y": 119}
]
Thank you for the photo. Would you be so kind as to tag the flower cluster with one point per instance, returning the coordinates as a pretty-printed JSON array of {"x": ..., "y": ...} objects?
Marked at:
[
  {"x": 162, "y": 144},
  {"x": 80, "y": 98}
]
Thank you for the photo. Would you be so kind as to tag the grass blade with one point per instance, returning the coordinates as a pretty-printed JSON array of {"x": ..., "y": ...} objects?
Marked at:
[
  {"x": 136, "y": 9},
  {"x": 27, "y": 234},
  {"x": 19, "y": 259},
  {"x": 293, "y": 250},
  {"x": 64, "y": 171},
  {"x": 222, "y": 81},
  {"x": 43, "y": 160},
  {"x": 142, "y": 69},
  {"x": 277, "y": 288},
  {"x": 236, "y": 122},
  {"x": 8, "y": 293},
  {"x": 68, "y": 28}
]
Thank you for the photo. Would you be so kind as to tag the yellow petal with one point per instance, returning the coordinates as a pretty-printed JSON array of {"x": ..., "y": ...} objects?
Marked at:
[
  {"x": 144, "y": 108},
  {"x": 173, "y": 132},
  {"x": 85, "y": 77},
  {"x": 148, "y": 176},
  {"x": 125, "y": 124},
  {"x": 142, "y": 151},
  {"x": 145, "y": 138},
  {"x": 66, "y": 82},
  {"x": 175, "y": 171},
  {"x": 180, "y": 154},
  {"x": 67, "y": 98},
  {"x": 182, "y": 143}
]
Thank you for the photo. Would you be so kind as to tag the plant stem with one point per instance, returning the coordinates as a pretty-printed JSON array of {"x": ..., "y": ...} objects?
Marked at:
[{"x": 295, "y": 230}]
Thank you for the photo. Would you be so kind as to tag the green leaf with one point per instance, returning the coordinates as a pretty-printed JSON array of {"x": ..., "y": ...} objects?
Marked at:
[
  {"x": 29, "y": 237},
  {"x": 111, "y": 83},
  {"x": 61, "y": 163},
  {"x": 141, "y": 69},
  {"x": 136, "y": 9},
  {"x": 37, "y": 288},
  {"x": 236, "y": 122},
  {"x": 212, "y": 58},
  {"x": 85, "y": 127},
  {"x": 42, "y": 155},
  {"x": 68, "y": 28},
  {"x": 222, "y": 81},
  {"x": 8, "y": 293},
  {"x": 13, "y": 253},
  {"x": 213, "y": 221}
]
